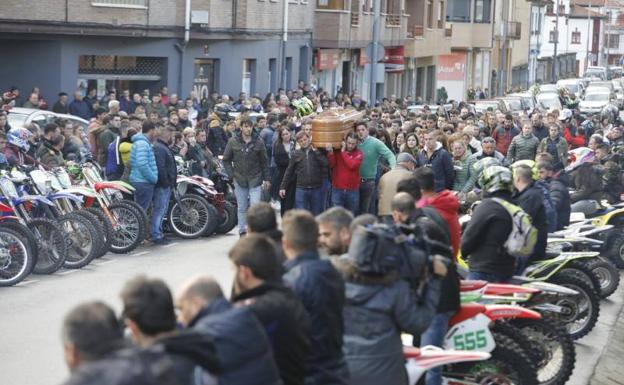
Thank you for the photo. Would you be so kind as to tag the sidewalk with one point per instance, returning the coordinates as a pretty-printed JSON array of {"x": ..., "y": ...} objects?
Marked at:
[{"x": 609, "y": 370}]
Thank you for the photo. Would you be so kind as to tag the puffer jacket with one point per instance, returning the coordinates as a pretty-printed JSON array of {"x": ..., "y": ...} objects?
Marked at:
[
  {"x": 522, "y": 147},
  {"x": 142, "y": 161},
  {"x": 461, "y": 171},
  {"x": 308, "y": 166},
  {"x": 321, "y": 289},
  {"x": 241, "y": 343},
  {"x": 474, "y": 158},
  {"x": 247, "y": 163},
  {"x": 377, "y": 310}
]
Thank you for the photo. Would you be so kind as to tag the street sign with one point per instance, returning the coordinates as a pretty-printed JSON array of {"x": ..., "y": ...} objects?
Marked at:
[{"x": 381, "y": 50}]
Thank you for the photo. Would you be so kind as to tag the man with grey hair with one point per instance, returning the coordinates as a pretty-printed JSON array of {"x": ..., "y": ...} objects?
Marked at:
[
  {"x": 203, "y": 307},
  {"x": 334, "y": 230},
  {"x": 389, "y": 182}
]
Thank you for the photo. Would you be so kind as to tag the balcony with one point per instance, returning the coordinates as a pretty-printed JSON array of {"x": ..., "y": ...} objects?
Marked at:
[
  {"x": 346, "y": 29},
  {"x": 471, "y": 35},
  {"x": 511, "y": 30},
  {"x": 424, "y": 42}
]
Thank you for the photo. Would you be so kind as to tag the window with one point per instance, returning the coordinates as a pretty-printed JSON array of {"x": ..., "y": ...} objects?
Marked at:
[
  {"x": 613, "y": 41},
  {"x": 482, "y": 11},
  {"x": 458, "y": 10},
  {"x": 330, "y": 4},
  {"x": 248, "y": 78},
  {"x": 552, "y": 36},
  {"x": 441, "y": 14},
  {"x": 430, "y": 14},
  {"x": 561, "y": 9},
  {"x": 141, "y": 4},
  {"x": 576, "y": 36}
]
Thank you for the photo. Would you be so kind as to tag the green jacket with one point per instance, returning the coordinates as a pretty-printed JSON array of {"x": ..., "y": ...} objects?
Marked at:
[
  {"x": 246, "y": 163},
  {"x": 522, "y": 148},
  {"x": 461, "y": 166},
  {"x": 373, "y": 149}
]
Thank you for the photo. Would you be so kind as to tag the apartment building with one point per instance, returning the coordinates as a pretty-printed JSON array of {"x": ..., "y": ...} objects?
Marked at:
[
  {"x": 511, "y": 42},
  {"x": 613, "y": 48},
  {"x": 201, "y": 45},
  {"x": 469, "y": 64}
]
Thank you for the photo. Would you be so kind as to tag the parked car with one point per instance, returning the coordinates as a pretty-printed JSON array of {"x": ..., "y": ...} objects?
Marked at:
[
  {"x": 23, "y": 117},
  {"x": 548, "y": 88},
  {"x": 619, "y": 92},
  {"x": 527, "y": 98},
  {"x": 603, "y": 84},
  {"x": 574, "y": 86},
  {"x": 481, "y": 106},
  {"x": 595, "y": 100},
  {"x": 598, "y": 72},
  {"x": 512, "y": 103},
  {"x": 548, "y": 101}
]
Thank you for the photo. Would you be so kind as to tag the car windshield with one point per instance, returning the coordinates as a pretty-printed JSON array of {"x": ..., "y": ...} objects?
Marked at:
[
  {"x": 549, "y": 101},
  {"x": 480, "y": 107},
  {"x": 514, "y": 104},
  {"x": 16, "y": 120},
  {"x": 594, "y": 73},
  {"x": 572, "y": 87},
  {"x": 548, "y": 88},
  {"x": 596, "y": 97}
]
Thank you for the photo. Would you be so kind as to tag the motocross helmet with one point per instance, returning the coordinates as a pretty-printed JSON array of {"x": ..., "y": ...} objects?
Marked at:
[
  {"x": 19, "y": 137},
  {"x": 495, "y": 178},
  {"x": 579, "y": 156},
  {"x": 74, "y": 170},
  {"x": 484, "y": 163},
  {"x": 303, "y": 106}
]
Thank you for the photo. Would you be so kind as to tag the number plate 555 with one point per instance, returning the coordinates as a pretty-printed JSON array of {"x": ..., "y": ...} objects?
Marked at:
[{"x": 471, "y": 334}]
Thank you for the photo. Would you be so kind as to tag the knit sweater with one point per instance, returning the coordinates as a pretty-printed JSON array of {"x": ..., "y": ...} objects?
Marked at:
[{"x": 373, "y": 149}]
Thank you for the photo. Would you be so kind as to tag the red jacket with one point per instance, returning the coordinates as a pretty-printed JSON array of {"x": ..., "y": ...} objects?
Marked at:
[
  {"x": 345, "y": 168},
  {"x": 447, "y": 205},
  {"x": 575, "y": 141}
]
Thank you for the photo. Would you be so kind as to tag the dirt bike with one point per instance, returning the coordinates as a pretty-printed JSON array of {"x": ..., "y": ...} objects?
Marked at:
[
  {"x": 545, "y": 340},
  {"x": 17, "y": 253},
  {"x": 419, "y": 360},
  {"x": 42, "y": 234}
]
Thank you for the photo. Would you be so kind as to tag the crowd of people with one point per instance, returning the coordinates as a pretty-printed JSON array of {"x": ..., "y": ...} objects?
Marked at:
[{"x": 297, "y": 315}]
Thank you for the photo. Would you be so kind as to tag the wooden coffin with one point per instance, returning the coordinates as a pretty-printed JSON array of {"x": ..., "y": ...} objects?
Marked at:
[{"x": 330, "y": 126}]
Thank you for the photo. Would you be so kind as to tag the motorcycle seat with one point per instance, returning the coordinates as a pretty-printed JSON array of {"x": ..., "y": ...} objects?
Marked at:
[
  {"x": 467, "y": 311},
  {"x": 466, "y": 285}
]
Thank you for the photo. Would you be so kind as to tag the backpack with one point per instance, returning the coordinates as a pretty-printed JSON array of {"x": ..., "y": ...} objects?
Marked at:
[
  {"x": 523, "y": 237},
  {"x": 114, "y": 165}
]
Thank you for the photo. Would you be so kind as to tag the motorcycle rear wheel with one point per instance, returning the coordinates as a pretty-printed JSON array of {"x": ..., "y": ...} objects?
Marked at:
[
  {"x": 580, "y": 312},
  {"x": 191, "y": 216},
  {"x": 15, "y": 261}
]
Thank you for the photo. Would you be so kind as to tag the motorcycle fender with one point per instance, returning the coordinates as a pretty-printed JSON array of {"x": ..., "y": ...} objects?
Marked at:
[
  {"x": 121, "y": 183},
  {"x": 65, "y": 195},
  {"x": 496, "y": 312},
  {"x": 505, "y": 289},
  {"x": 33, "y": 198},
  {"x": 84, "y": 191},
  {"x": 4, "y": 208},
  {"x": 606, "y": 219},
  {"x": 99, "y": 186},
  {"x": 548, "y": 287},
  {"x": 471, "y": 334}
]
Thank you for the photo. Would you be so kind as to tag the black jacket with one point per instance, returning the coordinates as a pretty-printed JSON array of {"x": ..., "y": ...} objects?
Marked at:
[
  {"x": 484, "y": 237},
  {"x": 217, "y": 140},
  {"x": 246, "y": 163},
  {"x": 441, "y": 164},
  {"x": 287, "y": 325},
  {"x": 531, "y": 200},
  {"x": 192, "y": 354},
  {"x": 436, "y": 229},
  {"x": 308, "y": 166},
  {"x": 196, "y": 154},
  {"x": 242, "y": 345},
  {"x": 322, "y": 291},
  {"x": 165, "y": 161},
  {"x": 540, "y": 131},
  {"x": 282, "y": 159},
  {"x": 560, "y": 197}
]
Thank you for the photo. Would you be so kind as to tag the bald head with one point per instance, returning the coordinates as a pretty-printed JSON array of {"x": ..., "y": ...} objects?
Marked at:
[
  {"x": 403, "y": 205},
  {"x": 196, "y": 294}
]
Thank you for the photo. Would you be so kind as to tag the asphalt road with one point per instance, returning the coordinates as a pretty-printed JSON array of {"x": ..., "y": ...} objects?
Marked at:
[{"x": 32, "y": 312}]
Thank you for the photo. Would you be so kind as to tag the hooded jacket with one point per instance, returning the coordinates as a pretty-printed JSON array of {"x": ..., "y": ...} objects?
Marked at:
[
  {"x": 241, "y": 343},
  {"x": 441, "y": 164},
  {"x": 377, "y": 310},
  {"x": 286, "y": 323},
  {"x": 483, "y": 239},
  {"x": 321, "y": 290},
  {"x": 165, "y": 161},
  {"x": 142, "y": 161},
  {"x": 446, "y": 204}
]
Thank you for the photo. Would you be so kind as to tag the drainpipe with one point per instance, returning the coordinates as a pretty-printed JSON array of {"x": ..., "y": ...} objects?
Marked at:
[
  {"x": 373, "y": 65},
  {"x": 284, "y": 40},
  {"x": 182, "y": 47}
]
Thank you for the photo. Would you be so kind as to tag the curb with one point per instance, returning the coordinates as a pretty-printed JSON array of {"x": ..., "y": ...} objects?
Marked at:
[{"x": 609, "y": 369}]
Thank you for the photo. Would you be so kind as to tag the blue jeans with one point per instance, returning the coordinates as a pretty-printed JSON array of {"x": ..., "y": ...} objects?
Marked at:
[
  {"x": 245, "y": 197},
  {"x": 326, "y": 194},
  {"x": 143, "y": 193},
  {"x": 478, "y": 276},
  {"x": 161, "y": 204},
  {"x": 349, "y": 199},
  {"x": 434, "y": 335},
  {"x": 310, "y": 199},
  {"x": 367, "y": 195}
]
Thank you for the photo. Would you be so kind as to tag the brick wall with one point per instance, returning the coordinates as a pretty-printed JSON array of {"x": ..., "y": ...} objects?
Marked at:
[{"x": 53, "y": 10}]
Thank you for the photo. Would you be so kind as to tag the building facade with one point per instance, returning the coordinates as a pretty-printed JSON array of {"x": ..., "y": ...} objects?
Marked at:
[{"x": 141, "y": 44}]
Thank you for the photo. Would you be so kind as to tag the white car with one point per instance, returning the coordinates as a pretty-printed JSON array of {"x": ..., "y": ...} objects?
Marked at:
[
  {"x": 549, "y": 101},
  {"x": 594, "y": 102},
  {"x": 619, "y": 92},
  {"x": 574, "y": 86},
  {"x": 23, "y": 117}
]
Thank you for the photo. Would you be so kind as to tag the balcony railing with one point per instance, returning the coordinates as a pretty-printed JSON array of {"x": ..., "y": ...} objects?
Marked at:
[
  {"x": 393, "y": 20},
  {"x": 415, "y": 31},
  {"x": 355, "y": 19}
]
